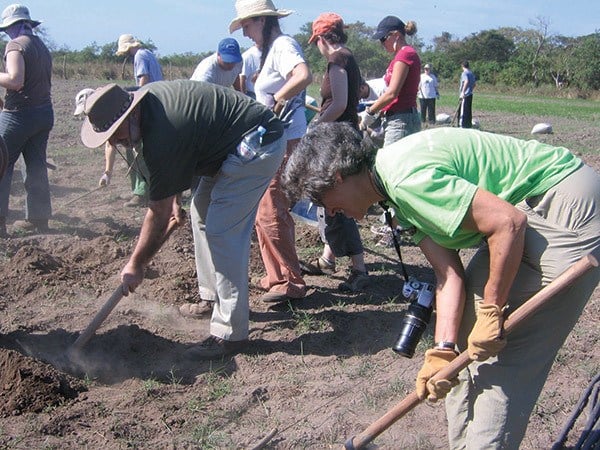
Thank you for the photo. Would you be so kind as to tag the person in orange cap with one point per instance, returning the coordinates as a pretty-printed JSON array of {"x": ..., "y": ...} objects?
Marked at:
[{"x": 340, "y": 91}]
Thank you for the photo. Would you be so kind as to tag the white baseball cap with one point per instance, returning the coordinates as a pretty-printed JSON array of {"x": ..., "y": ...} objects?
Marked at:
[{"x": 80, "y": 98}]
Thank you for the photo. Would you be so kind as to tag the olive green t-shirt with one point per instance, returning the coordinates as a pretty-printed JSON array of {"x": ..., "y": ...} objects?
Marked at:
[
  {"x": 190, "y": 127},
  {"x": 431, "y": 177}
]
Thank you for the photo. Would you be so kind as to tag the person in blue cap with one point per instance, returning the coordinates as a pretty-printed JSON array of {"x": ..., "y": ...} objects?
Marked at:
[{"x": 223, "y": 67}]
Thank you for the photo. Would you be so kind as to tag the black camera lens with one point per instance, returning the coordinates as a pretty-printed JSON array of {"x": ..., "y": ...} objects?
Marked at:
[{"x": 413, "y": 325}]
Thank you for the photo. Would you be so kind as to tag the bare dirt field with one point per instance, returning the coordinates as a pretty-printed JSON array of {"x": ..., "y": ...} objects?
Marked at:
[{"x": 319, "y": 370}]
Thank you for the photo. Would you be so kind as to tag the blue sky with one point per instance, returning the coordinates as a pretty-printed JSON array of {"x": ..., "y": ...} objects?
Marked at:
[{"x": 179, "y": 26}]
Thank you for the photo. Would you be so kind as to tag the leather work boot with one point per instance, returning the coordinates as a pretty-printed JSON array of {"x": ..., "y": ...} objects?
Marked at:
[{"x": 215, "y": 348}]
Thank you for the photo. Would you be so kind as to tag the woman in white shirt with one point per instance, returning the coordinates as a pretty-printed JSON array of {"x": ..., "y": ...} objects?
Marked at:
[{"x": 284, "y": 75}]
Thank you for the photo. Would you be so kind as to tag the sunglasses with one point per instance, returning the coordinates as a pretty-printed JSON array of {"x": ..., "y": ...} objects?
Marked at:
[{"x": 385, "y": 38}]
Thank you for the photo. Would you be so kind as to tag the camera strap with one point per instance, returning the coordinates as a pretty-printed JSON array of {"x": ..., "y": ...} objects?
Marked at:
[{"x": 388, "y": 219}]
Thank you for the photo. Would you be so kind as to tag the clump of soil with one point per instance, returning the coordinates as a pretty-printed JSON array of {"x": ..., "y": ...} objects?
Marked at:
[{"x": 29, "y": 385}]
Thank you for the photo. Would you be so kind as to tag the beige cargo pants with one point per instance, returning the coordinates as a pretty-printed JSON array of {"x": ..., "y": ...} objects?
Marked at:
[{"x": 490, "y": 408}]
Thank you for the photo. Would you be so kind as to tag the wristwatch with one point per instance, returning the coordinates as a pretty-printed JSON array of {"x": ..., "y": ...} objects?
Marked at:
[{"x": 446, "y": 345}]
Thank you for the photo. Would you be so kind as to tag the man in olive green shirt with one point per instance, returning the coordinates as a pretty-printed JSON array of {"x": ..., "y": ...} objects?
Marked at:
[{"x": 187, "y": 128}]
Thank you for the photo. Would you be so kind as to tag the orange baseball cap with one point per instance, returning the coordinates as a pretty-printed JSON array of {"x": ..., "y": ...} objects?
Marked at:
[{"x": 324, "y": 24}]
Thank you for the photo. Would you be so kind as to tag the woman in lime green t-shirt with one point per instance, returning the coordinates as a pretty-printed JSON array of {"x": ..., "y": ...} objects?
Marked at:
[{"x": 532, "y": 209}]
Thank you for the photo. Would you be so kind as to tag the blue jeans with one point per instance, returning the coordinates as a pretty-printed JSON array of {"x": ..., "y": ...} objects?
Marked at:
[
  {"x": 26, "y": 131},
  {"x": 340, "y": 233}
]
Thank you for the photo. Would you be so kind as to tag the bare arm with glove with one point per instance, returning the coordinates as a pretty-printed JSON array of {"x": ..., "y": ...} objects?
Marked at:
[{"x": 504, "y": 227}]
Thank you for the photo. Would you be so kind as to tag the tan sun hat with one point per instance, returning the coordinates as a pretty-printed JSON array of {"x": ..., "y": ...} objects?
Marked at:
[
  {"x": 126, "y": 41},
  {"x": 80, "y": 99},
  {"x": 247, "y": 9},
  {"x": 13, "y": 14},
  {"x": 106, "y": 109}
]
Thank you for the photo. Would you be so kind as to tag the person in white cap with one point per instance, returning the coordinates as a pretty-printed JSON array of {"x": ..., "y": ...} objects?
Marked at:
[
  {"x": 284, "y": 76},
  {"x": 146, "y": 69},
  {"x": 27, "y": 117},
  {"x": 427, "y": 94}
]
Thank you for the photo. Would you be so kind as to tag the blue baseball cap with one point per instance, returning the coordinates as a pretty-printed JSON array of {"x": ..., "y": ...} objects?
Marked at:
[{"x": 229, "y": 50}]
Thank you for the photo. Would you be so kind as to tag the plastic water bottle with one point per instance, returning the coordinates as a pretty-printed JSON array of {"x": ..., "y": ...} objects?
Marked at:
[{"x": 250, "y": 145}]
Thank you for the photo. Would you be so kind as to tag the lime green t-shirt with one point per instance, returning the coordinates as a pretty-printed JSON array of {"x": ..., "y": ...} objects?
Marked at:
[{"x": 431, "y": 177}]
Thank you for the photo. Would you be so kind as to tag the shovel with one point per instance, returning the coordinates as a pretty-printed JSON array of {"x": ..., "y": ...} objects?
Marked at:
[{"x": 520, "y": 315}]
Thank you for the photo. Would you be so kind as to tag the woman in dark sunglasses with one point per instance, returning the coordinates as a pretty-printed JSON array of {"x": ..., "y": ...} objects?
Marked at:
[{"x": 398, "y": 103}]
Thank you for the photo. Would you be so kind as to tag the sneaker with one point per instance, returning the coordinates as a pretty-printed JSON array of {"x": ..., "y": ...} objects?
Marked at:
[
  {"x": 196, "y": 310},
  {"x": 320, "y": 266},
  {"x": 214, "y": 348},
  {"x": 31, "y": 225},
  {"x": 136, "y": 200},
  {"x": 380, "y": 230},
  {"x": 356, "y": 282}
]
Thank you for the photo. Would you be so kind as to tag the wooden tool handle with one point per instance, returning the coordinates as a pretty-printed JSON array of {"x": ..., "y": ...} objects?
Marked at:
[
  {"x": 520, "y": 315},
  {"x": 85, "y": 336}
]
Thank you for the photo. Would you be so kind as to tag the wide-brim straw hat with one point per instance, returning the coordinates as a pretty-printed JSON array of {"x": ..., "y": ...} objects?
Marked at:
[
  {"x": 105, "y": 111},
  {"x": 247, "y": 9},
  {"x": 15, "y": 13},
  {"x": 126, "y": 42}
]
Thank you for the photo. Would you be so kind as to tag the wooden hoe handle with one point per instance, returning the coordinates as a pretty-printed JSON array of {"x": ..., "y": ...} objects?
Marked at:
[
  {"x": 521, "y": 314},
  {"x": 100, "y": 317},
  {"x": 110, "y": 304}
]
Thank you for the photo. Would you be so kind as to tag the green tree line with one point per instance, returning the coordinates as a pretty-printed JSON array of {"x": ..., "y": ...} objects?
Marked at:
[{"x": 506, "y": 56}]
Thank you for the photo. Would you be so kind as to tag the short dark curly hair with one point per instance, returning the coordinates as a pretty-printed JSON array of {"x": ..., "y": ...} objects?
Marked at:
[{"x": 327, "y": 149}]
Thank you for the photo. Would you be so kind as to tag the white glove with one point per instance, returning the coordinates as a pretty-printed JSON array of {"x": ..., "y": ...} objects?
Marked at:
[
  {"x": 368, "y": 119},
  {"x": 104, "y": 180}
]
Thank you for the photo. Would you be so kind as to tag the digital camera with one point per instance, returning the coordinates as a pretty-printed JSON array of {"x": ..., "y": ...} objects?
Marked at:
[{"x": 421, "y": 296}]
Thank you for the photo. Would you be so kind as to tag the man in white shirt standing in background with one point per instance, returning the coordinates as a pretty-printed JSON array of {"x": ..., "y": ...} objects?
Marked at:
[{"x": 427, "y": 94}]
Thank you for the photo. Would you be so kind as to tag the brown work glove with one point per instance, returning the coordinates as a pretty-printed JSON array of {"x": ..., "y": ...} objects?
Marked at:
[
  {"x": 435, "y": 360},
  {"x": 486, "y": 338}
]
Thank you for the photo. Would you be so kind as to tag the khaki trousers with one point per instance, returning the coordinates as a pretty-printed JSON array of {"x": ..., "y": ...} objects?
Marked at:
[
  {"x": 223, "y": 210},
  {"x": 490, "y": 408}
]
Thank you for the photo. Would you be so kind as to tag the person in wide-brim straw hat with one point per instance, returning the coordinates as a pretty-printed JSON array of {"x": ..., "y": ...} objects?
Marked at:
[
  {"x": 15, "y": 13},
  {"x": 105, "y": 111},
  {"x": 186, "y": 129},
  {"x": 247, "y": 9},
  {"x": 281, "y": 83}
]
